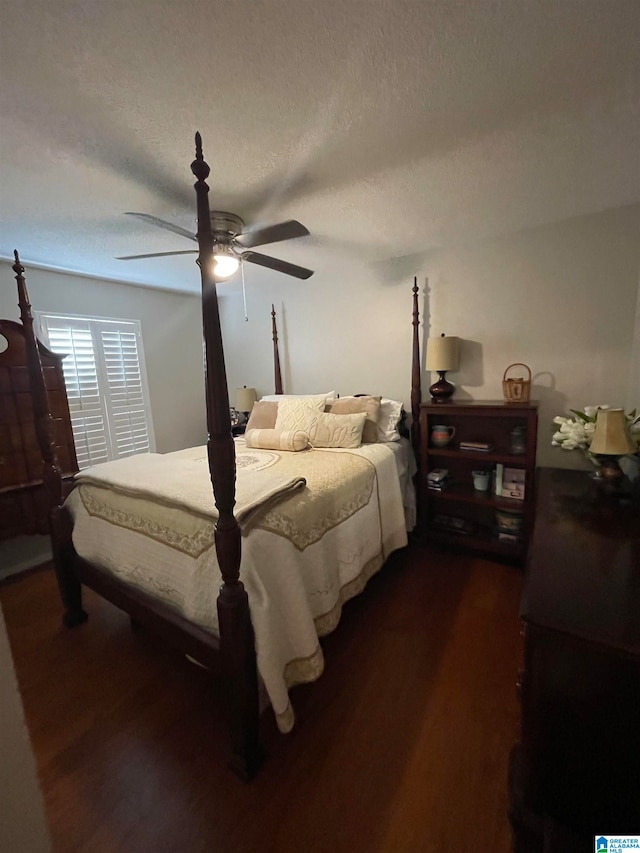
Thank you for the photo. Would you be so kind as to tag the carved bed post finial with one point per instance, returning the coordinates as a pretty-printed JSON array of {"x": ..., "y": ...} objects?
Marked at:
[
  {"x": 276, "y": 356},
  {"x": 416, "y": 390},
  {"x": 237, "y": 644},
  {"x": 43, "y": 419}
]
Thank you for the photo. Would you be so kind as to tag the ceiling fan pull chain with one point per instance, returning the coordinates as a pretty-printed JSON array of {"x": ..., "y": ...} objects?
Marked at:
[{"x": 244, "y": 293}]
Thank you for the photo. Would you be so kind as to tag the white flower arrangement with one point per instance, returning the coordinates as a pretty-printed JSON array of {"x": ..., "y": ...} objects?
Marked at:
[{"x": 577, "y": 433}]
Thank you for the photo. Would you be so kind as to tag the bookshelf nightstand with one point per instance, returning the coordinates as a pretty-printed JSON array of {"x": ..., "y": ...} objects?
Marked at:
[{"x": 459, "y": 514}]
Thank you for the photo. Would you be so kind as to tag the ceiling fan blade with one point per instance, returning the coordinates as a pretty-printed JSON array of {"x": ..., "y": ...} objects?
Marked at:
[
  {"x": 272, "y": 234},
  {"x": 276, "y": 264},
  {"x": 156, "y": 255},
  {"x": 168, "y": 226}
]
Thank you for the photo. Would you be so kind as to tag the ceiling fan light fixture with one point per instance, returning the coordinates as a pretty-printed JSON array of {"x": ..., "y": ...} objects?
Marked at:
[
  {"x": 225, "y": 263},
  {"x": 231, "y": 242}
]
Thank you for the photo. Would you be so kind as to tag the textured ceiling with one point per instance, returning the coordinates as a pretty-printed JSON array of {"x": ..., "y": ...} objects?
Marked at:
[{"x": 386, "y": 127}]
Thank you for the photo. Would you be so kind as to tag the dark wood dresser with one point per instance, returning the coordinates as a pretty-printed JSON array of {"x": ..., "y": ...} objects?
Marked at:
[
  {"x": 576, "y": 770},
  {"x": 23, "y": 503}
]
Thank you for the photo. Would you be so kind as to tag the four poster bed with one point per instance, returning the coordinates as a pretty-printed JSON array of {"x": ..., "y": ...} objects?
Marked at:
[{"x": 305, "y": 548}]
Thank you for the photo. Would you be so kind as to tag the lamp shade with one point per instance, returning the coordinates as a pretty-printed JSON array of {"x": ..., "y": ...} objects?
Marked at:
[
  {"x": 245, "y": 398},
  {"x": 611, "y": 435},
  {"x": 443, "y": 353}
]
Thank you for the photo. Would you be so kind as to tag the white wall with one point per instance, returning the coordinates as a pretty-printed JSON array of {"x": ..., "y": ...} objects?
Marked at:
[
  {"x": 171, "y": 333},
  {"x": 562, "y": 298}
]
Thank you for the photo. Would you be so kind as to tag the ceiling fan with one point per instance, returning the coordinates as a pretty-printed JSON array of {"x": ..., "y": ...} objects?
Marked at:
[{"x": 232, "y": 244}]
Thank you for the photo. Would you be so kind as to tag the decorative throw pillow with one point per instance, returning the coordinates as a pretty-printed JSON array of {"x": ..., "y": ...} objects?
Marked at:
[
  {"x": 295, "y": 412},
  {"x": 353, "y": 405},
  {"x": 263, "y": 416},
  {"x": 388, "y": 420},
  {"x": 274, "y": 439},
  {"x": 327, "y": 430},
  {"x": 275, "y": 398}
]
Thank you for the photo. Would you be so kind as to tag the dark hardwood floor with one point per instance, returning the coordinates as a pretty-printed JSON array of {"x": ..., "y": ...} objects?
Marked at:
[{"x": 402, "y": 745}]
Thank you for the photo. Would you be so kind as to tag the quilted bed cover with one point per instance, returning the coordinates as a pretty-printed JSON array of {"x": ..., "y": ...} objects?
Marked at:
[{"x": 316, "y": 526}]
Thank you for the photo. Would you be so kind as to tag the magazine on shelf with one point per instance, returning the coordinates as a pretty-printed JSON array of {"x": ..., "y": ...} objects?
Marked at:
[{"x": 513, "y": 483}]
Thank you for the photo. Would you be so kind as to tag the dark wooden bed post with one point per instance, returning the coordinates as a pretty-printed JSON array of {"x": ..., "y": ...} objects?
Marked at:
[
  {"x": 43, "y": 420},
  {"x": 59, "y": 520},
  {"x": 276, "y": 355},
  {"x": 237, "y": 645},
  {"x": 416, "y": 389}
]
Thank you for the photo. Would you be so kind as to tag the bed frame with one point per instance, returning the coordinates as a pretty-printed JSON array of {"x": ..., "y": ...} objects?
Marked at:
[{"x": 233, "y": 654}]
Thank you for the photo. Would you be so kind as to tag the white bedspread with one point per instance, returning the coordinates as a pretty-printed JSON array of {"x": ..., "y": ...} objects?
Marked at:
[
  {"x": 182, "y": 480},
  {"x": 296, "y": 586}
]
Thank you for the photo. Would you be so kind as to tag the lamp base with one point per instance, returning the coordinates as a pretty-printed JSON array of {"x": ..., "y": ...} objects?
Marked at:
[
  {"x": 610, "y": 470},
  {"x": 441, "y": 391}
]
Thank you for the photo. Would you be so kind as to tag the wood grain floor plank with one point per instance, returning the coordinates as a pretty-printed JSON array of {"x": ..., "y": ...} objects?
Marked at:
[{"x": 402, "y": 745}]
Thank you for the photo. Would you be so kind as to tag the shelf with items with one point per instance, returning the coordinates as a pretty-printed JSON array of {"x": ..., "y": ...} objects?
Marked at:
[
  {"x": 482, "y": 539},
  {"x": 494, "y": 522},
  {"x": 460, "y": 526},
  {"x": 467, "y": 494},
  {"x": 475, "y": 456}
]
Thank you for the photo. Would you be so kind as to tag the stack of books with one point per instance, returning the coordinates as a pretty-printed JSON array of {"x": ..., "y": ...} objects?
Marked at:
[
  {"x": 438, "y": 479},
  {"x": 480, "y": 446}
]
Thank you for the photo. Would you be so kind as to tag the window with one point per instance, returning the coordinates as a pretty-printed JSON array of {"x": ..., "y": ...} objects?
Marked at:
[{"x": 106, "y": 385}]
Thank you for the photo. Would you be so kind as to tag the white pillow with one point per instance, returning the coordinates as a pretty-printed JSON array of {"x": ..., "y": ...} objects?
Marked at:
[
  {"x": 275, "y": 398},
  {"x": 273, "y": 439},
  {"x": 327, "y": 430},
  {"x": 295, "y": 413},
  {"x": 388, "y": 420}
]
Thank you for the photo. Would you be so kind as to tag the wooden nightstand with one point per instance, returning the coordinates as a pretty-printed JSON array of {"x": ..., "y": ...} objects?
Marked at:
[{"x": 458, "y": 513}]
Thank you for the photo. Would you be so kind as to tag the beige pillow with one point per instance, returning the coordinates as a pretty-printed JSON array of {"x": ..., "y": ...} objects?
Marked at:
[
  {"x": 353, "y": 405},
  {"x": 294, "y": 413},
  {"x": 327, "y": 430},
  {"x": 273, "y": 439},
  {"x": 263, "y": 416}
]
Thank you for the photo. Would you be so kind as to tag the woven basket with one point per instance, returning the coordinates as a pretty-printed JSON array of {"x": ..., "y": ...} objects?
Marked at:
[{"x": 516, "y": 390}]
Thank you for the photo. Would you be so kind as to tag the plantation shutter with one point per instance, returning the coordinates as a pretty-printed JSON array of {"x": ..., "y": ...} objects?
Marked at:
[
  {"x": 106, "y": 385},
  {"x": 124, "y": 392}
]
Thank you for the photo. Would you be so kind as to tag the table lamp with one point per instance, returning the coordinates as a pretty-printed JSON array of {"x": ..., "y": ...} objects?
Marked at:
[
  {"x": 610, "y": 440},
  {"x": 245, "y": 398},
  {"x": 442, "y": 355}
]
